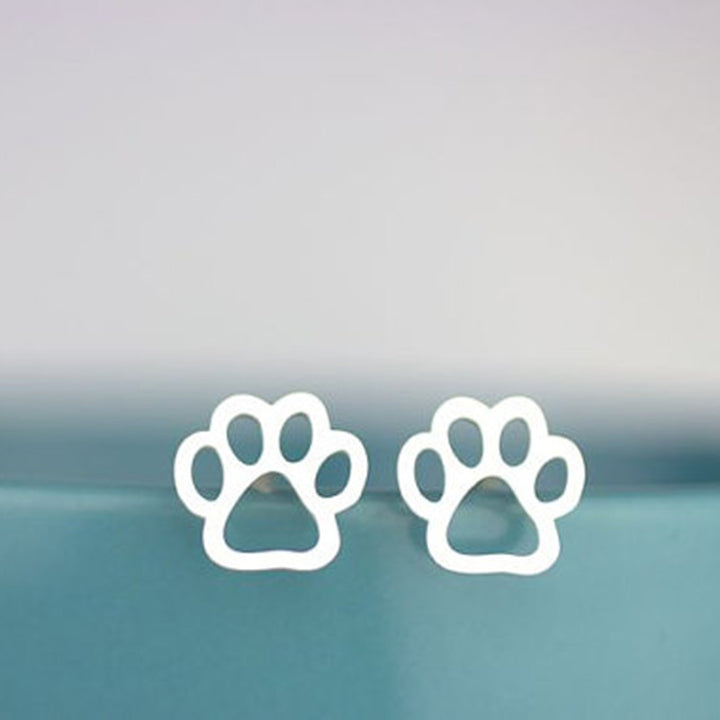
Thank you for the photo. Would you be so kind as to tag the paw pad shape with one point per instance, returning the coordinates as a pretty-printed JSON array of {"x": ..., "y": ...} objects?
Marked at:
[
  {"x": 238, "y": 476},
  {"x": 461, "y": 478}
]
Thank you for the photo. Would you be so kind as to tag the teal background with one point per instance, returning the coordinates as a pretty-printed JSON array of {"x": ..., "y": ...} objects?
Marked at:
[{"x": 109, "y": 608}]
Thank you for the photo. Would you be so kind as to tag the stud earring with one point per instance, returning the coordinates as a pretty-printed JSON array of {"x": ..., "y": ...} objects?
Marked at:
[
  {"x": 460, "y": 478},
  {"x": 238, "y": 476}
]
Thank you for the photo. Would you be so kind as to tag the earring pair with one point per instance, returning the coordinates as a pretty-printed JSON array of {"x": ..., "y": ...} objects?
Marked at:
[{"x": 460, "y": 476}]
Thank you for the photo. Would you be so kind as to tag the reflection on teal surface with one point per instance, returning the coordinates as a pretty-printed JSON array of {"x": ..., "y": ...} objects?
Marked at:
[
  {"x": 110, "y": 609},
  {"x": 137, "y": 452}
]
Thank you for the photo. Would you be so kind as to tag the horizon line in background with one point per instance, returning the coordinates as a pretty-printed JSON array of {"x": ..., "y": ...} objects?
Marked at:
[{"x": 640, "y": 406}]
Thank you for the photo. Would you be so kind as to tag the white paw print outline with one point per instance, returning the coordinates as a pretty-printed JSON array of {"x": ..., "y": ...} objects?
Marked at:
[
  {"x": 521, "y": 478},
  {"x": 238, "y": 476}
]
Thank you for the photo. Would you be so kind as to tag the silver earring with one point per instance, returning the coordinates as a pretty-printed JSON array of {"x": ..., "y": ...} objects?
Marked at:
[
  {"x": 238, "y": 476},
  {"x": 460, "y": 478}
]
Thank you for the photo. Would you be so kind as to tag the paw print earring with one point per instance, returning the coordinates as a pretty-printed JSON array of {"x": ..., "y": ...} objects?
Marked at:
[
  {"x": 238, "y": 476},
  {"x": 460, "y": 478}
]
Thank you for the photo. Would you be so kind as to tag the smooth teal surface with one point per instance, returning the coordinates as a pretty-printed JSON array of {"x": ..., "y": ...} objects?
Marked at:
[{"x": 110, "y": 609}]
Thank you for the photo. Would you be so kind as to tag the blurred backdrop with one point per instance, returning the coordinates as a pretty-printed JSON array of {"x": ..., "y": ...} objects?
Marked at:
[{"x": 382, "y": 202}]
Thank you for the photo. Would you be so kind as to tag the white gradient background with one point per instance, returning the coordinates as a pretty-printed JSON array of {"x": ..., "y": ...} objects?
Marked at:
[{"x": 477, "y": 187}]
